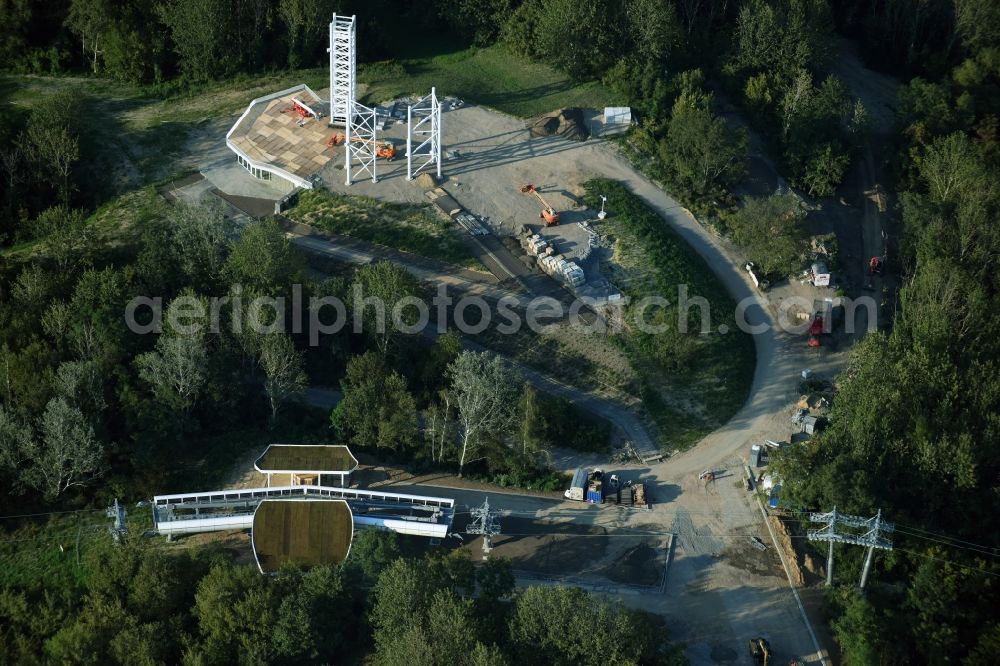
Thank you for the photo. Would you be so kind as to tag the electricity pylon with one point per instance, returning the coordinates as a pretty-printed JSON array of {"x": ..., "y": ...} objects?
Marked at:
[{"x": 832, "y": 532}]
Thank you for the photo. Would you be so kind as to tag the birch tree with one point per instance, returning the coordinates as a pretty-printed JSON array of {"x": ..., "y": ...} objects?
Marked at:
[
  {"x": 177, "y": 369},
  {"x": 485, "y": 391},
  {"x": 82, "y": 385},
  {"x": 439, "y": 425},
  {"x": 66, "y": 235},
  {"x": 284, "y": 375},
  {"x": 89, "y": 20},
  {"x": 67, "y": 454},
  {"x": 201, "y": 239},
  {"x": 57, "y": 150}
]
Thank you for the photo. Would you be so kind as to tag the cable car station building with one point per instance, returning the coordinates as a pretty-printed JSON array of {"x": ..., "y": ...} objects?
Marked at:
[{"x": 307, "y": 464}]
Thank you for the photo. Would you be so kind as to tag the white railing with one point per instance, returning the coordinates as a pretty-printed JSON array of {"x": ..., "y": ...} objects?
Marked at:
[
  {"x": 251, "y": 494},
  {"x": 245, "y": 521}
]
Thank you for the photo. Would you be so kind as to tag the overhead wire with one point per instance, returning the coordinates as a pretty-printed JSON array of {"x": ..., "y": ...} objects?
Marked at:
[
  {"x": 50, "y": 513},
  {"x": 982, "y": 550},
  {"x": 943, "y": 536}
]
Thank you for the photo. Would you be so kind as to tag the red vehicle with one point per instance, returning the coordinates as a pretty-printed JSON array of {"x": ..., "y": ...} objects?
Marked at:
[{"x": 815, "y": 330}]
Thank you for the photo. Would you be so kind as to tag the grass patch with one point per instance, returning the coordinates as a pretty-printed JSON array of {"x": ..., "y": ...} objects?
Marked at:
[
  {"x": 554, "y": 358},
  {"x": 56, "y": 548},
  {"x": 132, "y": 136},
  {"x": 691, "y": 382},
  {"x": 490, "y": 76},
  {"x": 406, "y": 227},
  {"x": 566, "y": 425},
  {"x": 128, "y": 213}
]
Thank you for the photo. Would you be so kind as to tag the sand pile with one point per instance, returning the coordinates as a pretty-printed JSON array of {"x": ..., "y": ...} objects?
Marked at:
[
  {"x": 425, "y": 181},
  {"x": 567, "y": 123}
]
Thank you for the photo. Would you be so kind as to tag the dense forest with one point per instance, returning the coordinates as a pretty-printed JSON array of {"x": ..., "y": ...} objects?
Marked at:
[
  {"x": 89, "y": 411},
  {"x": 142, "y": 606}
]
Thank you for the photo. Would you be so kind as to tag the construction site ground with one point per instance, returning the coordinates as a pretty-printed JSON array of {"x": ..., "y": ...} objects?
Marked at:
[
  {"x": 718, "y": 589},
  {"x": 488, "y": 156}
]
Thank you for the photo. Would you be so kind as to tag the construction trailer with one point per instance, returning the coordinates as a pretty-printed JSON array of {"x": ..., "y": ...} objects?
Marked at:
[
  {"x": 578, "y": 486},
  {"x": 586, "y": 486},
  {"x": 820, "y": 274}
]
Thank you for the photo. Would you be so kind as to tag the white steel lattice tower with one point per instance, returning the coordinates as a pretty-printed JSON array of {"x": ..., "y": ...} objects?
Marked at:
[
  {"x": 427, "y": 113},
  {"x": 361, "y": 142},
  {"x": 343, "y": 55}
]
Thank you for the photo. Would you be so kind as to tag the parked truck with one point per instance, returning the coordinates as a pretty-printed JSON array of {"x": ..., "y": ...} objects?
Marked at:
[{"x": 586, "y": 486}]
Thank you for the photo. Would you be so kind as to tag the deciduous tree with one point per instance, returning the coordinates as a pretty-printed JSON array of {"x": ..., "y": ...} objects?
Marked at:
[
  {"x": 702, "y": 149},
  {"x": 485, "y": 394},
  {"x": 771, "y": 232},
  {"x": 377, "y": 409},
  {"x": 284, "y": 375},
  {"x": 176, "y": 370},
  {"x": 387, "y": 289},
  {"x": 67, "y": 453},
  {"x": 66, "y": 235}
]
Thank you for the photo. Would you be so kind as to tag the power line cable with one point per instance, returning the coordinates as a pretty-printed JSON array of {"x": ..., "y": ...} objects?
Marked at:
[
  {"x": 983, "y": 550},
  {"x": 957, "y": 564},
  {"x": 943, "y": 536},
  {"x": 50, "y": 513}
]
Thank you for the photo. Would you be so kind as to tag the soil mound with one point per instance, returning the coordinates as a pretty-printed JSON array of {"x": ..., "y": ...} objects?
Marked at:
[
  {"x": 567, "y": 123},
  {"x": 425, "y": 181}
]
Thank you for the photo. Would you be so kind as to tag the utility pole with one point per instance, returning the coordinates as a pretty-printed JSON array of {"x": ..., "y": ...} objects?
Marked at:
[
  {"x": 485, "y": 522},
  {"x": 832, "y": 532}
]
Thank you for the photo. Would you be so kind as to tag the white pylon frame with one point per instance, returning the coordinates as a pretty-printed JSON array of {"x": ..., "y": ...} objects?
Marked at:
[
  {"x": 343, "y": 67},
  {"x": 361, "y": 142},
  {"x": 427, "y": 130}
]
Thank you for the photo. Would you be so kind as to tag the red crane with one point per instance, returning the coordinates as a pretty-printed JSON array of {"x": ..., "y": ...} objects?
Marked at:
[{"x": 548, "y": 213}]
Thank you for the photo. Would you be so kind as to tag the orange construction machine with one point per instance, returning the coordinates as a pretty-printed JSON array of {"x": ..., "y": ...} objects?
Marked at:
[
  {"x": 548, "y": 213},
  {"x": 385, "y": 149}
]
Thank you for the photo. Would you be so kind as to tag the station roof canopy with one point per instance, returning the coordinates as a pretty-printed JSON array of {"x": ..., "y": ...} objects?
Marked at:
[
  {"x": 305, "y": 532},
  {"x": 306, "y": 459},
  {"x": 273, "y": 134}
]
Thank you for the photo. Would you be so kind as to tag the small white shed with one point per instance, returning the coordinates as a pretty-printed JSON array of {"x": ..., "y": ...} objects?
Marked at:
[{"x": 617, "y": 116}]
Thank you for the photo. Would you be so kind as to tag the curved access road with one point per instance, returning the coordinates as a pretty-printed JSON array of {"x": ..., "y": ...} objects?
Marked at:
[{"x": 711, "y": 598}]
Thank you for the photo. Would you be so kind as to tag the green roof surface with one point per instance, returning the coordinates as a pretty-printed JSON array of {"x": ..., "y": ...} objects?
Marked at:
[
  {"x": 308, "y": 458},
  {"x": 305, "y": 532}
]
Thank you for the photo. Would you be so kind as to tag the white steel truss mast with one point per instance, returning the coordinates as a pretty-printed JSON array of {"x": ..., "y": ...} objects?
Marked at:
[
  {"x": 427, "y": 114},
  {"x": 343, "y": 55}
]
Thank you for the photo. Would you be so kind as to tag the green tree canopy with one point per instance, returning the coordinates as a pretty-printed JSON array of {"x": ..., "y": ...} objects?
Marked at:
[
  {"x": 377, "y": 409},
  {"x": 771, "y": 232}
]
